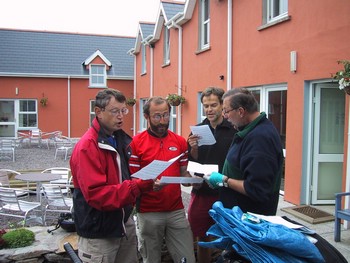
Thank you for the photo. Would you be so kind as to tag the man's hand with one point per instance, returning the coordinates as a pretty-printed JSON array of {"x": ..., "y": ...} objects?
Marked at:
[
  {"x": 144, "y": 185},
  {"x": 214, "y": 180}
]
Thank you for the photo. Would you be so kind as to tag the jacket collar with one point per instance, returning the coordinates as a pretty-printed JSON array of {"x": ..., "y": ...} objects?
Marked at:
[{"x": 251, "y": 126}]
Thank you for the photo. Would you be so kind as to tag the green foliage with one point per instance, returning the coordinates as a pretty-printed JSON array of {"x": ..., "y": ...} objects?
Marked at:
[
  {"x": 130, "y": 101},
  {"x": 343, "y": 76},
  {"x": 20, "y": 237},
  {"x": 175, "y": 99}
]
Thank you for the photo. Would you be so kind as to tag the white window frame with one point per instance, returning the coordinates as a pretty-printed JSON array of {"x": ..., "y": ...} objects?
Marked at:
[
  {"x": 276, "y": 10},
  {"x": 92, "y": 111},
  {"x": 98, "y": 76},
  {"x": 27, "y": 112},
  {"x": 166, "y": 51},
  {"x": 143, "y": 59},
  {"x": 200, "y": 112},
  {"x": 204, "y": 24},
  {"x": 143, "y": 121},
  {"x": 173, "y": 119}
]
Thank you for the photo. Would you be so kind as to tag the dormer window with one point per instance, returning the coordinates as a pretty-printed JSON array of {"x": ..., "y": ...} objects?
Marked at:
[{"x": 98, "y": 76}]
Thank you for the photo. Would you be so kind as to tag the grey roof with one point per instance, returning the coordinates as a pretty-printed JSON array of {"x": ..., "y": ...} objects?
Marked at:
[
  {"x": 146, "y": 29},
  {"x": 51, "y": 53},
  {"x": 171, "y": 9}
]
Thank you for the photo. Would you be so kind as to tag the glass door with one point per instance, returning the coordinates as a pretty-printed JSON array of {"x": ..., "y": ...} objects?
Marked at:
[
  {"x": 328, "y": 143},
  {"x": 7, "y": 119}
]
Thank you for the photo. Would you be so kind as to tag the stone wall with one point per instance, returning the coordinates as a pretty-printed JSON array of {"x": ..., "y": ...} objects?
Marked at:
[{"x": 46, "y": 248}]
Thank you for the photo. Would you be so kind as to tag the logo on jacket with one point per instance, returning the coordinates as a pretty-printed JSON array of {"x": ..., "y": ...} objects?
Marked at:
[{"x": 172, "y": 148}]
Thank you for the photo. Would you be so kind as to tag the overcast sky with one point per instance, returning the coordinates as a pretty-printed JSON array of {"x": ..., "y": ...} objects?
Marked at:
[{"x": 111, "y": 17}]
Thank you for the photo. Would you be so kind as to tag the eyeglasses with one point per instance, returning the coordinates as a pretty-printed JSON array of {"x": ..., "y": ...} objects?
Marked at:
[
  {"x": 227, "y": 111},
  {"x": 117, "y": 111},
  {"x": 157, "y": 117}
]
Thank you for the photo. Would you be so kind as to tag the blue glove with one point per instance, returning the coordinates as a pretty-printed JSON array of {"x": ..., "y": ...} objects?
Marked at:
[{"x": 215, "y": 180}]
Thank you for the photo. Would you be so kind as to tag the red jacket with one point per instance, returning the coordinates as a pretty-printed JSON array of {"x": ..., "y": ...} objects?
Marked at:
[
  {"x": 100, "y": 196},
  {"x": 145, "y": 148}
]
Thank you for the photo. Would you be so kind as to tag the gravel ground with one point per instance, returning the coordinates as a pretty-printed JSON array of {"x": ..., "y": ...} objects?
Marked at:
[{"x": 35, "y": 158}]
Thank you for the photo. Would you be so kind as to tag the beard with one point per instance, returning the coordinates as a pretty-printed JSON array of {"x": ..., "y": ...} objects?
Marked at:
[{"x": 159, "y": 129}]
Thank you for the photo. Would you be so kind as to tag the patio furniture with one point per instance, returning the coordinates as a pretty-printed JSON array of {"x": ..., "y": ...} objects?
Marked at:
[
  {"x": 38, "y": 178},
  {"x": 5, "y": 181},
  {"x": 35, "y": 137},
  {"x": 11, "y": 206},
  {"x": 63, "y": 145},
  {"x": 64, "y": 181},
  {"x": 7, "y": 149},
  {"x": 339, "y": 214},
  {"x": 49, "y": 138},
  {"x": 23, "y": 139},
  {"x": 56, "y": 201}
]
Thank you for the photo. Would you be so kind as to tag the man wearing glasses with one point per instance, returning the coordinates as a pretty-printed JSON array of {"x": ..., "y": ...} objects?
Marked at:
[
  {"x": 202, "y": 196},
  {"x": 252, "y": 170},
  {"x": 104, "y": 195},
  {"x": 161, "y": 215}
]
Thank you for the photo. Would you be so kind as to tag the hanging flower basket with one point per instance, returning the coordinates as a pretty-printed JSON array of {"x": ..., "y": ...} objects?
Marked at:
[
  {"x": 130, "y": 101},
  {"x": 43, "y": 101},
  {"x": 343, "y": 76},
  {"x": 175, "y": 99}
]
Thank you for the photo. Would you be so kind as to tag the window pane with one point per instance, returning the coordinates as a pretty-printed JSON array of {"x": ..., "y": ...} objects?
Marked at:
[{"x": 277, "y": 105}]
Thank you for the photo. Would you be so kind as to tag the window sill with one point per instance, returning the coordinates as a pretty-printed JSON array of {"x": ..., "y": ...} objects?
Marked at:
[
  {"x": 202, "y": 50},
  {"x": 165, "y": 65},
  {"x": 275, "y": 22}
]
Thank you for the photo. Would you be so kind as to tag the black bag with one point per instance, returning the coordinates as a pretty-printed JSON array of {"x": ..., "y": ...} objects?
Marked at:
[{"x": 65, "y": 221}]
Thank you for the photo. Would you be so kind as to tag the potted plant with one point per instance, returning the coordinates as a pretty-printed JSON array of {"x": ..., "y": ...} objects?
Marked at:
[
  {"x": 175, "y": 99},
  {"x": 130, "y": 101},
  {"x": 43, "y": 101},
  {"x": 343, "y": 76}
]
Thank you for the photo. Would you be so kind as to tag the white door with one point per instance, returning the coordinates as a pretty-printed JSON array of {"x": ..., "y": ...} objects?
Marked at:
[
  {"x": 7, "y": 119},
  {"x": 328, "y": 143}
]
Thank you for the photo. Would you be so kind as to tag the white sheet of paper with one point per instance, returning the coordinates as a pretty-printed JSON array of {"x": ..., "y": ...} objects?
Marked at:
[
  {"x": 277, "y": 220},
  {"x": 155, "y": 168},
  {"x": 194, "y": 167},
  {"x": 180, "y": 180},
  {"x": 205, "y": 134}
]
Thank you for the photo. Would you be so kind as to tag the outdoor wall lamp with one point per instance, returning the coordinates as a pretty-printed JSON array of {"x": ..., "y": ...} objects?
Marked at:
[
  {"x": 221, "y": 77},
  {"x": 293, "y": 61}
]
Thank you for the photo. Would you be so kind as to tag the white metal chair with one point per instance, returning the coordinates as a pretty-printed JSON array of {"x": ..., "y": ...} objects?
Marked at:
[
  {"x": 63, "y": 145},
  {"x": 56, "y": 201},
  {"x": 23, "y": 139},
  {"x": 35, "y": 137},
  {"x": 5, "y": 181},
  {"x": 11, "y": 206},
  {"x": 7, "y": 149},
  {"x": 49, "y": 138},
  {"x": 65, "y": 181}
]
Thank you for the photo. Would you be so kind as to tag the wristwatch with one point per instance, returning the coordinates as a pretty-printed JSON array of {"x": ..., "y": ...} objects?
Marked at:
[{"x": 225, "y": 181}]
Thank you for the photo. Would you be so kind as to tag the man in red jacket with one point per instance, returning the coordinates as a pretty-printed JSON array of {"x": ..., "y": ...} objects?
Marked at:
[
  {"x": 104, "y": 195},
  {"x": 161, "y": 215}
]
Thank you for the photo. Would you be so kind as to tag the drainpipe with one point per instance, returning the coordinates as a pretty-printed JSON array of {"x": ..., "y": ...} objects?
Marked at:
[
  {"x": 134, "y": 107},
  {"x": 151, "y": 79},
  {"x": 179, "y": 79},
  {"x": 69, "y": 106},
  {"x": 146, "y": 41},
  {"x": 229, "y": 45}
]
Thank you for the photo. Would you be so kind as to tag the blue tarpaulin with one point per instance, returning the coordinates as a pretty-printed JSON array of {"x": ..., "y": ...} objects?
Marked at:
[{"x": 258, "y": 241}]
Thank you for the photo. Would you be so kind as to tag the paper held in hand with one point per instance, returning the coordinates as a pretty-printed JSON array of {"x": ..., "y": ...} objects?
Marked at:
[
  {"x": 205, "y": 134},
  {"x": 155, "y": 168},
  {"x": 194, "y": 167}
]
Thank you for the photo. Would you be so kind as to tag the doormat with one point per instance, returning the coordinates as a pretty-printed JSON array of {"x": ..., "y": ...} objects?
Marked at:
[{"x": 309, "y": 214}]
